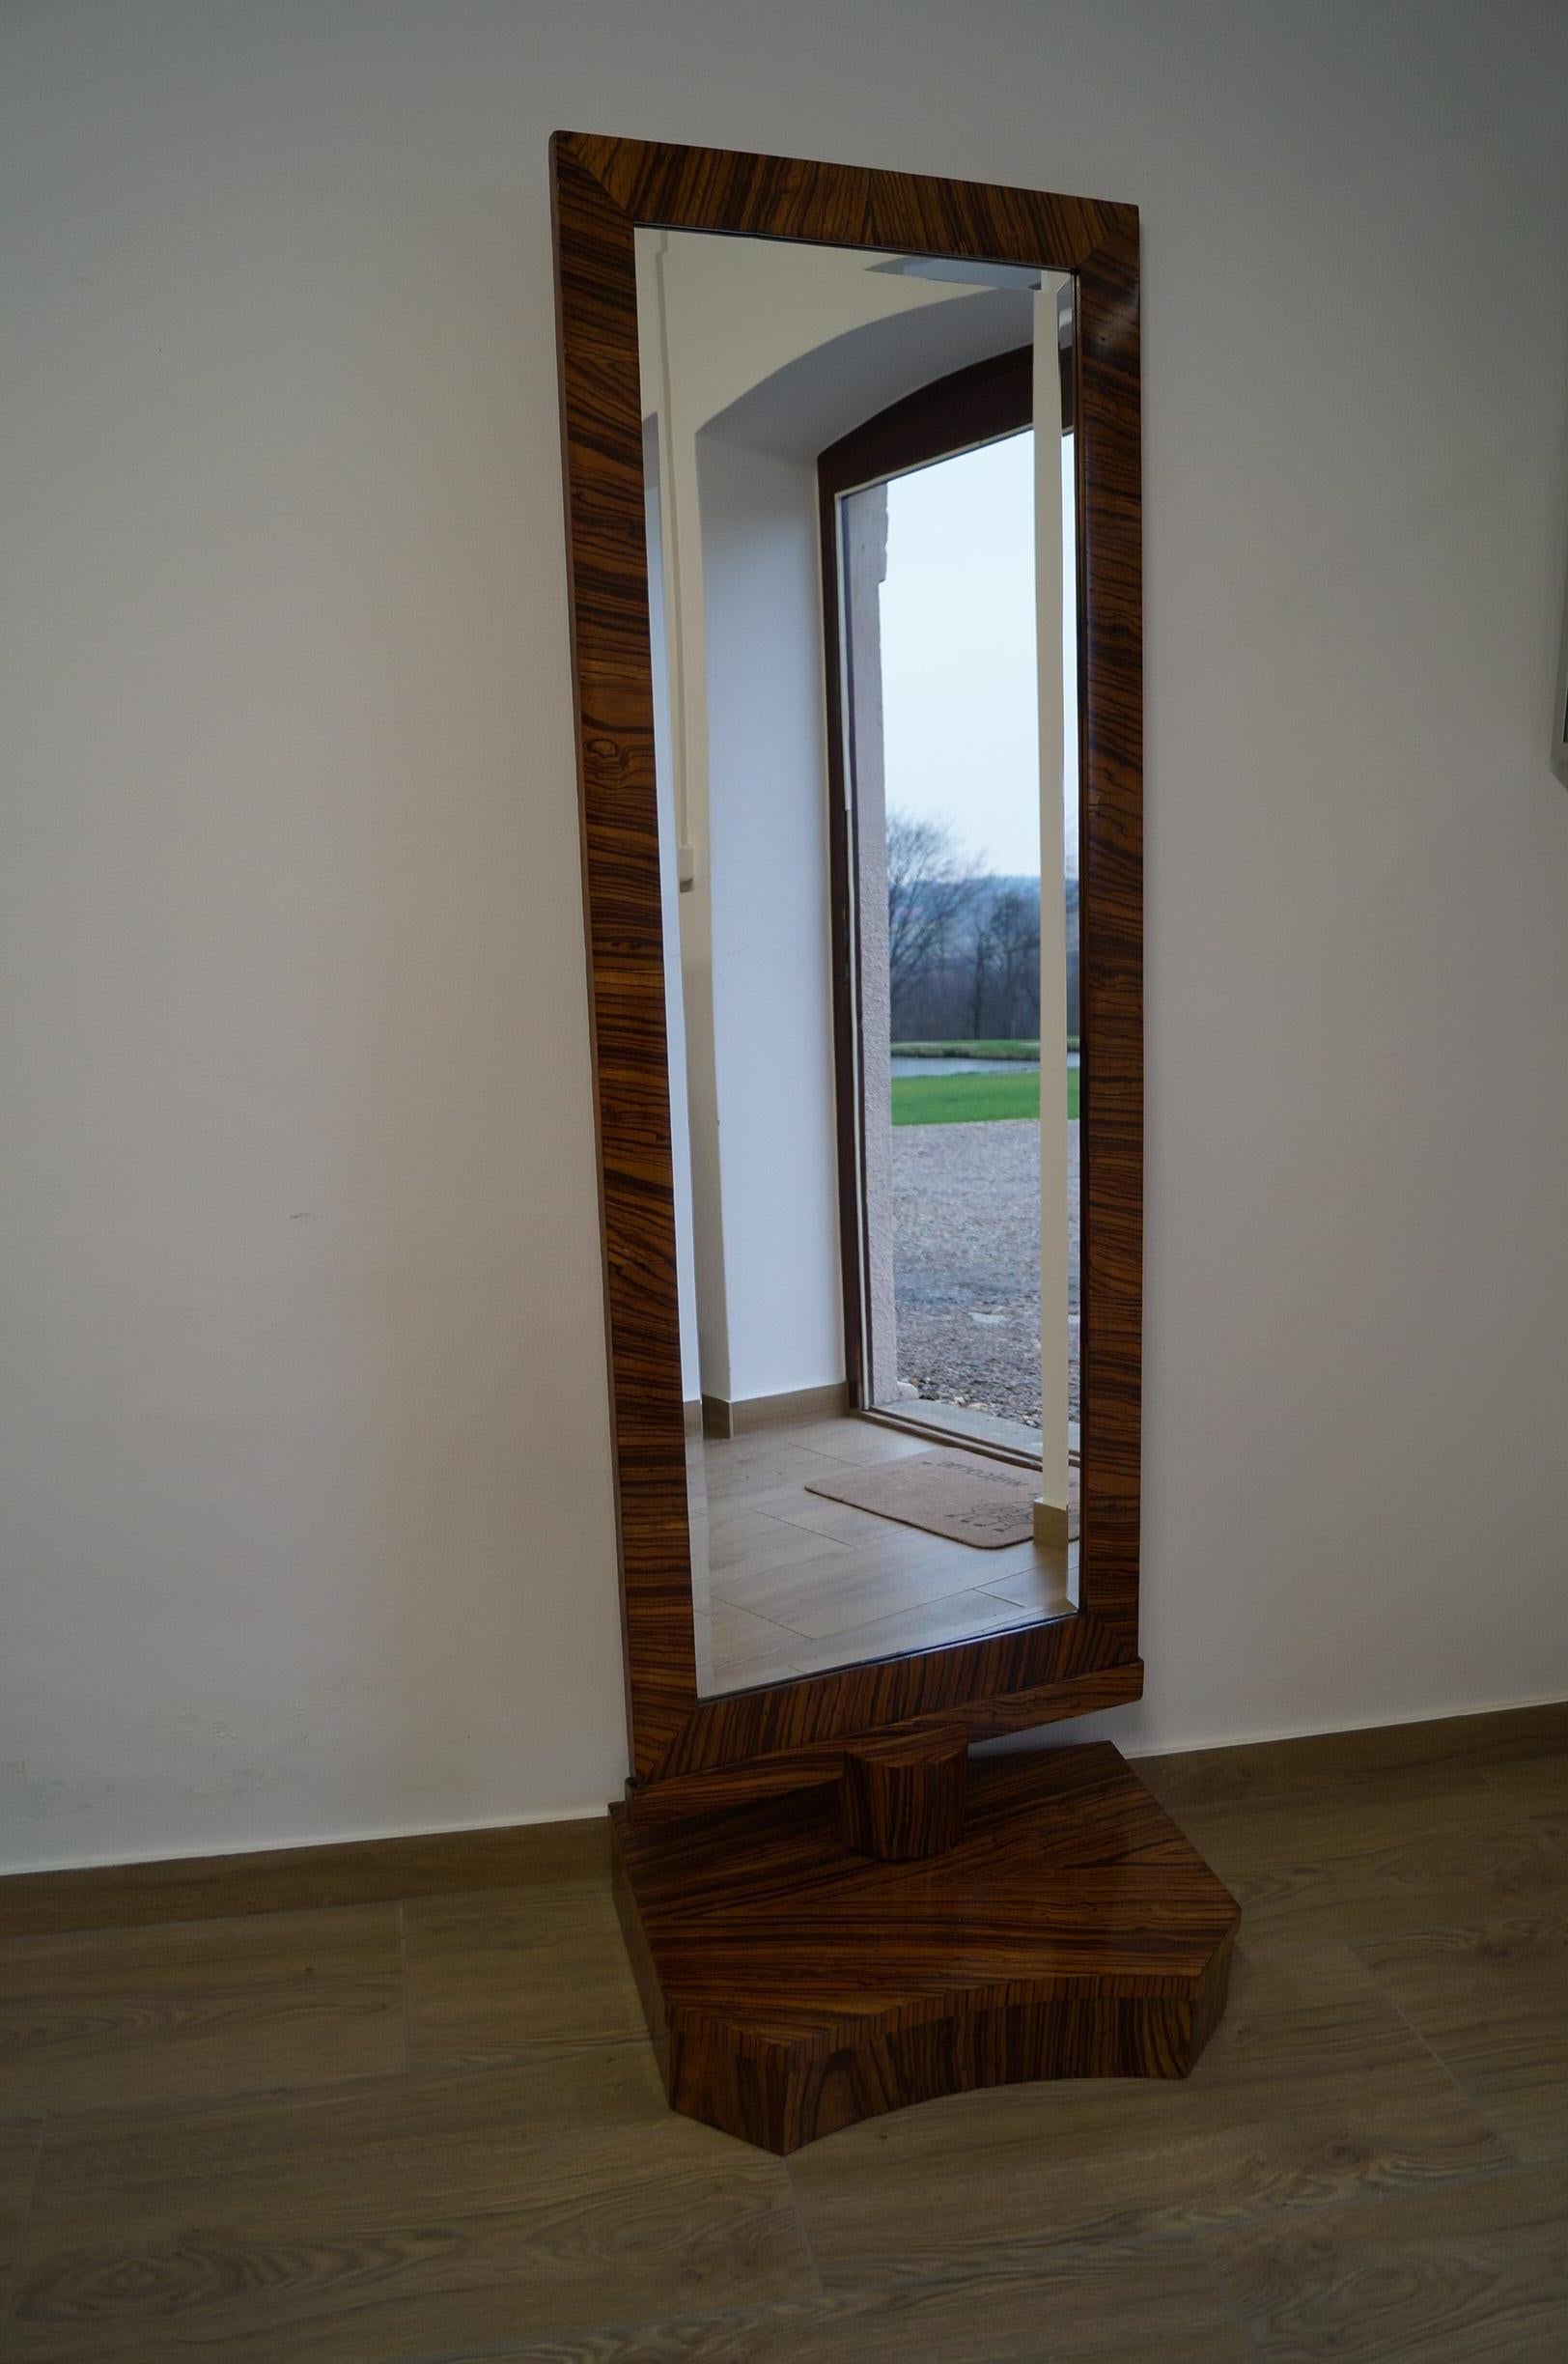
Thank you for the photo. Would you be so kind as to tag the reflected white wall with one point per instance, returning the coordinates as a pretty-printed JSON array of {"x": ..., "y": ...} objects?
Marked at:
[{"x": 767, "y": 853}]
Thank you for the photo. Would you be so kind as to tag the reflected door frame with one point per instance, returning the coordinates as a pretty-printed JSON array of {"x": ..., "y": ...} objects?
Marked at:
[{"x": 983, "y": 403}]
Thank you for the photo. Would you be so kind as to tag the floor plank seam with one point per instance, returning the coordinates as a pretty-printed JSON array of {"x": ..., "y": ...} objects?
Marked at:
[
  {"x": 14, "y": 2280},
  {"x": 723, "y": 1601},
  {"x": 800, "y": 2224},
  {"x": 1470, "y": 2100},
  {"x": 1223, "y": 2292}
]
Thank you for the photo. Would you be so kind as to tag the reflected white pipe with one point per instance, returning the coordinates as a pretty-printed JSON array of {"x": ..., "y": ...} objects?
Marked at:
[{"x": 1052, "y": 518}]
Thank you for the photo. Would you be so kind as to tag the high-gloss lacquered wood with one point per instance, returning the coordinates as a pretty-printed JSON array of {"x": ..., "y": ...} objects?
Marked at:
[
  {"x": 755, "y": 1743},
  {"x": 902, "y": 1796},
  {"x": 795, "y": 1988},
  {"x": 806, "y": 1764}
]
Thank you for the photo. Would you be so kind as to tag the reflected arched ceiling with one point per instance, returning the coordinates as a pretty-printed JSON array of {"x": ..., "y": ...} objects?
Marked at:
[{"x": 809, "y": 402}]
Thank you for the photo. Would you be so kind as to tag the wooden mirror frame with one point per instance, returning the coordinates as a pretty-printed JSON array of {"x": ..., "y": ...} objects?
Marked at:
[{"x": 688, "y": 1753}]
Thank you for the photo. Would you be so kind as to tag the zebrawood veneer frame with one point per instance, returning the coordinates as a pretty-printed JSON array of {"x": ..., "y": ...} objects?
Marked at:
[
  {"x": 794, "y": 1985},
  {"x": 688, "y": 1751}
]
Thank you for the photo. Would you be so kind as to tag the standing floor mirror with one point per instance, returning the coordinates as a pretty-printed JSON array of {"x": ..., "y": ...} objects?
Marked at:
[{"x": 853, "y": 520}]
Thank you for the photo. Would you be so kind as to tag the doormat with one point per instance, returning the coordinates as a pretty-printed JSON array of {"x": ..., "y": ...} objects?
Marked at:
[{"x": 970, "y": 1499}]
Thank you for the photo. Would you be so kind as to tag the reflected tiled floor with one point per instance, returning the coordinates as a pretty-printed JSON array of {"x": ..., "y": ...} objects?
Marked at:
[{"x": 789, "y": 1583}]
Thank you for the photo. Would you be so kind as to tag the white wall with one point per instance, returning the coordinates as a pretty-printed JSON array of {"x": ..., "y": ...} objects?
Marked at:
[{"x": 303, "y": 1458}]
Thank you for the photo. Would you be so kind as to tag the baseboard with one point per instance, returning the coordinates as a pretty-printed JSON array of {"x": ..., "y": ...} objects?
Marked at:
[
  {"x": 722, "y": 1419},
  {"x": 447, "y": 1863},
  {"x": 1310, "y": 1762},
  {"x": 300, "y": 1880}
]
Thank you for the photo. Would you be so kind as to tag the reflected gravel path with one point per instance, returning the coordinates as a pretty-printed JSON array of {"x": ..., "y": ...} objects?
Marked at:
[{"x": 966, "y": 1264}]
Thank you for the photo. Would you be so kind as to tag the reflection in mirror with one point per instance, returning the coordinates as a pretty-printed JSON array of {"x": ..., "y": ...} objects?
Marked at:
[{"x": 862, "y": 591}]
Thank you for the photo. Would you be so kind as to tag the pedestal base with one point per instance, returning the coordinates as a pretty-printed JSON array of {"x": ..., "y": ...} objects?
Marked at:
[{"x": 793, "y": 1987}]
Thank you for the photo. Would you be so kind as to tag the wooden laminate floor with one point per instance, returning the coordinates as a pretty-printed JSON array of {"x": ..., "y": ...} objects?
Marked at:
[
  {"x": 428, "y": 2125},
  {"x": 795, "y": 1583}
]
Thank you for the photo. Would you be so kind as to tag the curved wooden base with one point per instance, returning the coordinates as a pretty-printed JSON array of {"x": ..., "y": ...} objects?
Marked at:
[{"x": 793, "y": 1987}]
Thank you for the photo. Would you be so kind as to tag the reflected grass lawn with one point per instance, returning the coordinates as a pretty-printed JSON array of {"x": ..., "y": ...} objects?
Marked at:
[
  {"x": 973, "y": 1099},
  {"x": 971, "y": 1049}
]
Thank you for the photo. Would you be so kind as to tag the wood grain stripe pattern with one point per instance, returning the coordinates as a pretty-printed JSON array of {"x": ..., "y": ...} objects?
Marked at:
[
  {"x": 904, "y": 1798},
  {"x": 793, "y": 1987},
  {"x": 757, "y": 1741}
]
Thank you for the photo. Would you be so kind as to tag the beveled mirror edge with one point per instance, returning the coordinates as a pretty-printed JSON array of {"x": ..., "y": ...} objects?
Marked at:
[{"x": 687, "y": 1752}]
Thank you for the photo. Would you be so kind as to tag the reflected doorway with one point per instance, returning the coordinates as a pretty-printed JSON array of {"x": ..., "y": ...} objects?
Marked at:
[
  {"x": 823, "y": 1532},
  {"x": 956, "y": 907}
]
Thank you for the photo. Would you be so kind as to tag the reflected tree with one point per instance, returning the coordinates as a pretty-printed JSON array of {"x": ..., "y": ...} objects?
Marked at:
[{"x": 929, "y": 886}]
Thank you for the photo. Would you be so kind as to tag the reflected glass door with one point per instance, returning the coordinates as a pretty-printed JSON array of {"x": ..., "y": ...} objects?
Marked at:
[{"x": 958, "y": 885}]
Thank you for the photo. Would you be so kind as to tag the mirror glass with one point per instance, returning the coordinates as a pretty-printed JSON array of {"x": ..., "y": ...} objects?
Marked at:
[{"x": 864, "y": 604}]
